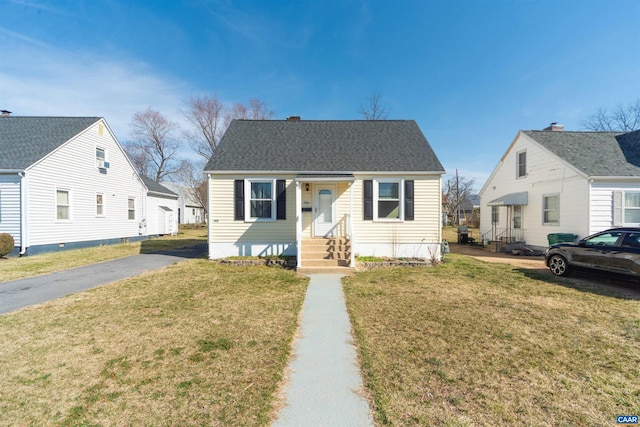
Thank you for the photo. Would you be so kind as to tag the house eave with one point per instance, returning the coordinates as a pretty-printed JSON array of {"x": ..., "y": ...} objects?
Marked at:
[
  {"x": 12, "y": 171},
  {"x": 318, "y": 173},
  {"x": 614, "y": 178}
]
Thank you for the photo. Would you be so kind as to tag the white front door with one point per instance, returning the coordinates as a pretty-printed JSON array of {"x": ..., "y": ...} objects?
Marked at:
[{"x": 324, "y": 214}]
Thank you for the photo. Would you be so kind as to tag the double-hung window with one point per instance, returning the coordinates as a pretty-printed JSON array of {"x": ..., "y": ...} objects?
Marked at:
[
  {"x": 131, "y": 208},
  {"x": 261, "y": 201},
  {"x": 389, "y": 202},
  {"x": 99, "y": 204},
  {"x": 63, "y": 205},
  {"x": 521, "y": 167},
  {"x": 631, "y": 208},
  {"x": 101, "y": 157},
  {"x": 551, "y": 209}
]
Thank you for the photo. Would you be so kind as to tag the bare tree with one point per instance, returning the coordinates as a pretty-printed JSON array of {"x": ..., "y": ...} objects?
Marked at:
[
  {"x": 457, "y": 190},
  {"x": 206, "y": 117},
  {"x": 620, "y": 119},
  {"x": 373, "y": 108},
  {"x": 194, "y": 181},
  {"x": 210, "y": 119},
  {"x": 154, "y": 146}
]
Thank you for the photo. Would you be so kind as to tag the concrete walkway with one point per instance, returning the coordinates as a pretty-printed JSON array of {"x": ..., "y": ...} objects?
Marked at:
[{"x": 324, "y": 377}]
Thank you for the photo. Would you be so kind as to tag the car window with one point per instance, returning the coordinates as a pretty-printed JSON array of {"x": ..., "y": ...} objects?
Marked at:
[
  {"x": 631, "y": 240},
  {"x": 604, "y": 239}
]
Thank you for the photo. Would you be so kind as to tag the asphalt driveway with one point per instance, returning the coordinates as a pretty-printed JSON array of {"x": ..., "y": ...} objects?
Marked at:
[{"x": 21, "y": 293}]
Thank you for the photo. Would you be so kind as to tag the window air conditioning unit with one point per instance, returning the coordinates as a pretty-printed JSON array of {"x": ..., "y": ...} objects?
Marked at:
[{"x": 103, "y": 165}]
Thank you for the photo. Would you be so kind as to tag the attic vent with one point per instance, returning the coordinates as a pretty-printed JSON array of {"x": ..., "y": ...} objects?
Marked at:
[
  {"x": 555, "y": 127},
  {"x": 293, "y": 118}
]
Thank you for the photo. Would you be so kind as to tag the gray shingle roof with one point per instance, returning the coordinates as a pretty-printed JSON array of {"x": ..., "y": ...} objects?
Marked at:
[
  {"x": 324, "y": 146},
  {"x": 25, "y": 140},
  {"x": 594, "y": 153},
  {"x": 154, "y": 187}
]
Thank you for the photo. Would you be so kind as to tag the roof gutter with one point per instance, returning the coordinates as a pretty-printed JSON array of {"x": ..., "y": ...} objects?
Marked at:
[
  {"x": 615, "y": 178},
  {"x": 24, "y": 210},
  {"x": 293, "y": 172}
]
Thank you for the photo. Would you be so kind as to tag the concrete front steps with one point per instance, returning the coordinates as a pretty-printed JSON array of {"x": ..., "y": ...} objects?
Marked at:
[{"x": 326, "y": 255}]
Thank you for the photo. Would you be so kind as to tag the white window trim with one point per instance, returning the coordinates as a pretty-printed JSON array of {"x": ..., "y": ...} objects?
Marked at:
[
  {"x": 544, "y": 196},
  {"x": 68, "y": 191},
  {"x": 376, "y": 190},
  {"x": 624, "y": 209},
  {"x": 247, "y": 200},
  {"x": 135, "y": 208},
  {"x": 104, "y": 208},
  {"x": 518, "y": 176}
]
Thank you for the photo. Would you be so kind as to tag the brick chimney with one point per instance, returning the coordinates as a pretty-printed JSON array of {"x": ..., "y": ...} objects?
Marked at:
[
  {"x": 293, "y": 118},
  {"x": 554, "y": 127},
  {"x": 5, "y": 113}
]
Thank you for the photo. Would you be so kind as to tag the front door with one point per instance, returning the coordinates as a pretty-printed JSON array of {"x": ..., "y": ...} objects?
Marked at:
[{"x": 324, "y": 215}]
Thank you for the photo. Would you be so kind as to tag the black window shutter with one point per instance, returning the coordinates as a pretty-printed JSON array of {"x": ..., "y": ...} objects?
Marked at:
[
  {"x": 408, "y": 200},
  {"x": 239, "y": 199},
  {"x": 368, "y": 199},
  {"x": 281, "y": 200}
]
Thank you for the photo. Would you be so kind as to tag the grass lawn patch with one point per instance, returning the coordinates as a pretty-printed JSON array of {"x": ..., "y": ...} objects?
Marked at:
[
  {"x": 196, "y": 343},
  {"x": 19, "y": 268},
  {"x": 469, "y": 343}
]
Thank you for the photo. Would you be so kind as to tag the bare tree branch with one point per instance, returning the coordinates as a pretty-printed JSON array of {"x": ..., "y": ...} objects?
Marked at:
[
  {"x": 457, "y": 191},
  {"x": 373, "y": 108},
  {"x": 620, "y": 119},
  {"x": 192, "y": 178},
  {"x": 205, "y": 115},
  {"x": 153, "y": 146}
]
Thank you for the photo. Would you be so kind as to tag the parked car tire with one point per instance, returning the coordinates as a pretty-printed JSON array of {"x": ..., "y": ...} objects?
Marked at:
[{"x": 559, "y": 265}]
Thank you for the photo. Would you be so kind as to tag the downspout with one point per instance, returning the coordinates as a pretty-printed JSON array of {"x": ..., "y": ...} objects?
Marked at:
[{"x": 24, "y": 209}]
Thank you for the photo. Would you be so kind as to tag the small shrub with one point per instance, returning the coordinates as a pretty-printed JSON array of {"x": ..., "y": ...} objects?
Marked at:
[{"x": 6, "y": 244}]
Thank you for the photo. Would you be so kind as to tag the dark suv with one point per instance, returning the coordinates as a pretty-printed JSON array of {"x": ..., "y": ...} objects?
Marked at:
[{"x": 614, "y": 251}]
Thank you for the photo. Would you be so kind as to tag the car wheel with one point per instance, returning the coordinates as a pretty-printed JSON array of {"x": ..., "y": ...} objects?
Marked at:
[{"x": 559, "y": 266}]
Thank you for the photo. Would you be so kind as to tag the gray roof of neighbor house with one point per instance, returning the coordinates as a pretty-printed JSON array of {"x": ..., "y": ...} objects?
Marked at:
[
  {"x": 154, "y": 187},
  {"x": 594, "y": 153},
  {"x": 25, "y": 140},
  {"x": 324, "y": 146}
]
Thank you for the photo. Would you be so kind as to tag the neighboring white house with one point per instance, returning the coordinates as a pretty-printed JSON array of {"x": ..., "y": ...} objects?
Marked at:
[
  {"x": 162, "y": 209},
  {"x": 190, "y": 211},
  {"x": 559, "y": 182},
  {"x": 281, "y": 186},
  {"x": 65, "y": 182}
]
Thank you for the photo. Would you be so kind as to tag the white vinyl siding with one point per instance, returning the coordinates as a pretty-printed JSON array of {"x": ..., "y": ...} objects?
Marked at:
[
  {"x": 73, "y": 167},
  {"x": 546, "y": 174},
  {"x": 10, "y": 206}
]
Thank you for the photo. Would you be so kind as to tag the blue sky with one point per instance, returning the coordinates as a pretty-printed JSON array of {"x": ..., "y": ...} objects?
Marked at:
[{"x": 470, "y": 72}]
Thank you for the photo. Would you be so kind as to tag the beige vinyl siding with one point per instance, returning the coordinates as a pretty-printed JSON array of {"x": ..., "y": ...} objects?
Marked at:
[
  {"x": 73, "y": 167},
  {"x": 425, "y": 228},
  {"x": 224, "y": 228},
  {"x": 10, "y": 205}
]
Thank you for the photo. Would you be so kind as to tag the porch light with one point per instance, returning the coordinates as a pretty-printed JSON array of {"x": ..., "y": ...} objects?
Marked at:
[{"x": 306, "y": 186}]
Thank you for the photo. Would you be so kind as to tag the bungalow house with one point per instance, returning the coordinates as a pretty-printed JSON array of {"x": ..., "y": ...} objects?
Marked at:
[
  {"x": 555, "y": 182},
  {"x": 324, "y": 191},
  {"x": 65, "y": 182}
]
